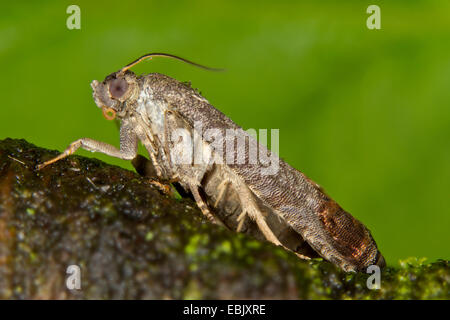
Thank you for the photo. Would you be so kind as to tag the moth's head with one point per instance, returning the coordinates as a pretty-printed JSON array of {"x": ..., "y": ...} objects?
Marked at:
[
  {"x": 115, "y": 94},
  {"x": 118, "y": 92}
]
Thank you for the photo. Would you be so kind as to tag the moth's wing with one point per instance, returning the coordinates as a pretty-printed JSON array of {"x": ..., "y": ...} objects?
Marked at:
[
  {"x": 289, "y": 237},
  {"x": 331, "y": 231}
]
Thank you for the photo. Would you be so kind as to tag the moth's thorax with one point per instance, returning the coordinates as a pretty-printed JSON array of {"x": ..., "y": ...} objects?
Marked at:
[{"x": 147, "y": 105}]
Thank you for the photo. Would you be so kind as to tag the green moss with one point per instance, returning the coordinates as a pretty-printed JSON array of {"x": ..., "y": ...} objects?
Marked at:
[{"x": 149, "y": 236}]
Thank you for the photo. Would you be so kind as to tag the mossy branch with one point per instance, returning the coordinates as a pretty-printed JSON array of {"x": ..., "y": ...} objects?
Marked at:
[{"x": 132, "y": 242}]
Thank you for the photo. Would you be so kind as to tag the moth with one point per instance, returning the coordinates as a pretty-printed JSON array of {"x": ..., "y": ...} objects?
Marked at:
[{"x": 283, "y": 207}]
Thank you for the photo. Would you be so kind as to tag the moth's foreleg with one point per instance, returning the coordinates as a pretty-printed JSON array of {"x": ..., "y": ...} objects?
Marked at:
[{"x": 127, "y": 151}]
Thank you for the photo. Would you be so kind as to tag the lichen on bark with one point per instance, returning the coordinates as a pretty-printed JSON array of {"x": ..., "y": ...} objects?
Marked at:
[{"x": 133, "y": 242}]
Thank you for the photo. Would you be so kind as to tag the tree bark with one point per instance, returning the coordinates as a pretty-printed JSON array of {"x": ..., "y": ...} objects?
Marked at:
[{"x": 130, "y": 241}]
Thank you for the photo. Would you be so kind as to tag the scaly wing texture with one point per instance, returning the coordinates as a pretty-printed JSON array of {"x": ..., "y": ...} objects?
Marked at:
[{"x": 330, "y": 230}]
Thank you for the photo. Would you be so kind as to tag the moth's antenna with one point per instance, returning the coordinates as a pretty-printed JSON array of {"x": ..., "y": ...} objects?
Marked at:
[{"x": 167, "y": 55}]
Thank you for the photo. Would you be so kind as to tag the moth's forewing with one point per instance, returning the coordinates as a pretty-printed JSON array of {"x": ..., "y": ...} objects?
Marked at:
[
  {"x": 296, "y": 208},
  {"x": 332, "y": 232}
]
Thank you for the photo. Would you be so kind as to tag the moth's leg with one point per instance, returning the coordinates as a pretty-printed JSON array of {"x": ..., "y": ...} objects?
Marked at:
[
  {"x": 203, "y": 205},
  {"x": 159, "y": 170},
  {"x": 147, "y": 169},
  {"x": 250, "y": 208},
  {"x": 152, "y": 149},
  {"x": 265, "y": 229},
  {"x": 223, "y": 188},
  {"x": 166, "y": 135},
  {"x": 163, "y": 187},
  {"x": 127, "y": 151},
  {"x": 241, "y": 219}
]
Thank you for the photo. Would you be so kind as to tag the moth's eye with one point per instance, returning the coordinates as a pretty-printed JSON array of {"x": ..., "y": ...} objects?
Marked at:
[{"x": 118, "y": 87}]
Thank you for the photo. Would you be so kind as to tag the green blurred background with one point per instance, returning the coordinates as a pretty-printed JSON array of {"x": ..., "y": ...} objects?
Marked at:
[{"x": 365, "y": 113}]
